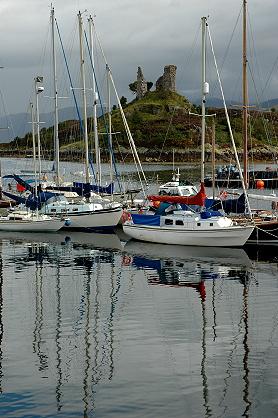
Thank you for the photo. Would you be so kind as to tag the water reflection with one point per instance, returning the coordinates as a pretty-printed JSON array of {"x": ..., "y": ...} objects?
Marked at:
[
  {"x": 177, "y": 266},
  {"x": 82, "y": 330},
  {"x": 80, "y": 309},
  {"x": 186, "y": 266}
]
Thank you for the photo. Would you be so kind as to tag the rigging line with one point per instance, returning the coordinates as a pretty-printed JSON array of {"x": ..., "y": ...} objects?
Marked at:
[
  {"x": 102, "y": 109},
  {"x": 192, "y": 48},
  {"x": 70, "y": 80},
  {"x": 8, "y": 119},
  {"x": 261, "y": 113},
  {"x": 254, "y": 55},
  {"x": 130, "y": 138},
  {"x": 168, "y": 129},
  {"x": 229, "y": 124},
  {"x": 227, "y": 48}
]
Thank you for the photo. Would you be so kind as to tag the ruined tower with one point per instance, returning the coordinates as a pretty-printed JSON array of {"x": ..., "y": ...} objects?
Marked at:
[
  {"x": 141, "y": 84},
  {"x": 167, "y": 82}
]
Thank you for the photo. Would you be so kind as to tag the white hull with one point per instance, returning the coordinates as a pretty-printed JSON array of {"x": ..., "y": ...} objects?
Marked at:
[
  {"x": 31, "y": 225},
  {"x": 224, "y": 256},
  {"x": 104, "y": 218},
  {"x": 234, "y": 236}
]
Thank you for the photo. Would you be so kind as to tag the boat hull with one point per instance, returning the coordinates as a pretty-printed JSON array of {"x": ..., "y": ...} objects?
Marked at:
[
  {"x": 265, "y": 233},
  {"x": 99, "y": 219},
  {"x": 235, "y": 236},
  {"x": 49, "y": 225}
]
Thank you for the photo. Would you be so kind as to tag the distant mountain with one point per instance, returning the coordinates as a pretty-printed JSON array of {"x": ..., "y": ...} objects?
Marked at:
[
  {"x": 268, "y": 104},
  {"x": 214, "y": 102},
  {"x": 18, "y": 124},
  {"x": 218, "y": 103}
]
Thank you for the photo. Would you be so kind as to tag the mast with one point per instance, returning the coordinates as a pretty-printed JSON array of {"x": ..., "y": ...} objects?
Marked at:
[
  {"x": 34, "y": 146},
  {"x": 95, "y": 100},
  {"x": 82, "y": 69},
  {"x": 213, "y": 157},
  {"x": 109, "y": 122},
  {"x": 244, "y": 96},
  {"x": 55, "y": 96},
  {"x": 204, "y": 93},
  {"x": 38, "y": 89}
]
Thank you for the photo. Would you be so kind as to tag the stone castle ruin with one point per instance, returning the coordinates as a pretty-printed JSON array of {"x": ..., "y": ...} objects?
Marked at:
[
  {"x": 142, "y": 87},
  {"x": 167, "y": 82}
]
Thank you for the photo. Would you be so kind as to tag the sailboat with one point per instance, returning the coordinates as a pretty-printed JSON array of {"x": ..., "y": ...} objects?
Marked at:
[
  {"x": 185, "y": 227},
  {"x": 266, "y": 222},
  {"x": 25, "y": 220},
  {"x": 91, "y": 211}
]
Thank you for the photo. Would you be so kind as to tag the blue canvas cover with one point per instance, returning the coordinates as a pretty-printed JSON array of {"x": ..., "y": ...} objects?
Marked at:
[
  {"x": 237, "y": 205},
  {"x": 153, "y": 220}
]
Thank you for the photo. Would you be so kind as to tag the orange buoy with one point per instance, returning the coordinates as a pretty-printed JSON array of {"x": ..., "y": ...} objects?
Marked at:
[{"x": 260, "y": 184}]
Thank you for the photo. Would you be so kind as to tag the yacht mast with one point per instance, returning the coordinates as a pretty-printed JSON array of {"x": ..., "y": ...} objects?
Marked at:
[
  {"x": 204, "y": 93},
  {"x": 109, "y": 121},
  {"x": 85, "y": 123},
  {"x": 38, "y": 90},
  {"x": 55, "y": 96},
  {"x": 34, "y": 146},
  {"x": 95, "y": 100},
  {"x": 244, "y": 96}
]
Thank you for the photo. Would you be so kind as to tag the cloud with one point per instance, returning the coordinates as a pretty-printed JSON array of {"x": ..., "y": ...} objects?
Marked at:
[{"x": 150, "y": 33}]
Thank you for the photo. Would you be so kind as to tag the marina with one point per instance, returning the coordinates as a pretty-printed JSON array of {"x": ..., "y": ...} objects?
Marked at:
[
  {"x": 98, "y": 324},
  {"x": 138, "y": 210}
]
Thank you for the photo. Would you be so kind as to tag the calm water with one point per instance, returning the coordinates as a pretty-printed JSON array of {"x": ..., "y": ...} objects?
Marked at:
[{"x": 94, "y": 326}]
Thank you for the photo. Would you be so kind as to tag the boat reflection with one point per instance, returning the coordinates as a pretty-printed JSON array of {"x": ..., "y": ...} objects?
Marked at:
[
  {"x": 109, "y": 240},
  {"x": 185, "y": 266},
  {"x": 76, "y": 288},
  {"x": 177, "y": 266}
]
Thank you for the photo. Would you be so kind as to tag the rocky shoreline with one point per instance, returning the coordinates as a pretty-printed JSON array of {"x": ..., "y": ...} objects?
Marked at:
[{"x": 266, "y": 153}]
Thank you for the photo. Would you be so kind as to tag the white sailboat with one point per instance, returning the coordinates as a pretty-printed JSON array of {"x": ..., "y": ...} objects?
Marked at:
[
  {"x": 94, "y": 211},
  {"x": 25, "y": 220},
  {"x": 185, "y": 227}
]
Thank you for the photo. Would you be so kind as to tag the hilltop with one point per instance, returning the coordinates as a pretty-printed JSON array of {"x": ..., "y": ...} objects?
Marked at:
[{"x": 160, "y": 122}]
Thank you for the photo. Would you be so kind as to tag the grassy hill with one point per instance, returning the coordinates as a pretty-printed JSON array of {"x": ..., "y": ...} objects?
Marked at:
[{"x": 160, "y": 122}]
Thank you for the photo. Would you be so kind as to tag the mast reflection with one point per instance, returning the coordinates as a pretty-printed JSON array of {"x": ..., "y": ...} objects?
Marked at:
[{"x": 1, "y": 320}]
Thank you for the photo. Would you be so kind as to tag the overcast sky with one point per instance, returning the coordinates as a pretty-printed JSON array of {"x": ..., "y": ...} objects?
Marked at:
[{"x": 149, "y": 33}]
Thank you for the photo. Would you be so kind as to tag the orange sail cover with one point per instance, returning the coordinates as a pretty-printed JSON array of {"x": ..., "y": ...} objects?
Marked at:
[{"x": 198, "y": 199}]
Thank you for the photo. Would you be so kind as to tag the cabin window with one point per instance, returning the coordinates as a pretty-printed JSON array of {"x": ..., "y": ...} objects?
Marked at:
[
  {"x": 179, "y": 222},
  {"x": 211, "y": 224},
  {"x": 53, "y": 210},
  {"x": 198, "y": 223},
  {"x": 63, "y": 210},
  {"x": 75, "y": 209},
  {"x": 168, "y": 221}
]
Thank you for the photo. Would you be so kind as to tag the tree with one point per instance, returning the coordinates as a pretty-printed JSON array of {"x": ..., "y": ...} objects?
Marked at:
[
  {"x": 149, "y": 85},
  {"x": 133, "y": 87},
  {"x": 123, "y": 101}
]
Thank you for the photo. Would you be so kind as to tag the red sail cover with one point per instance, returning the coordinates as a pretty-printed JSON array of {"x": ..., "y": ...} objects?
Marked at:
[{"x": 198, "y": 199}]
